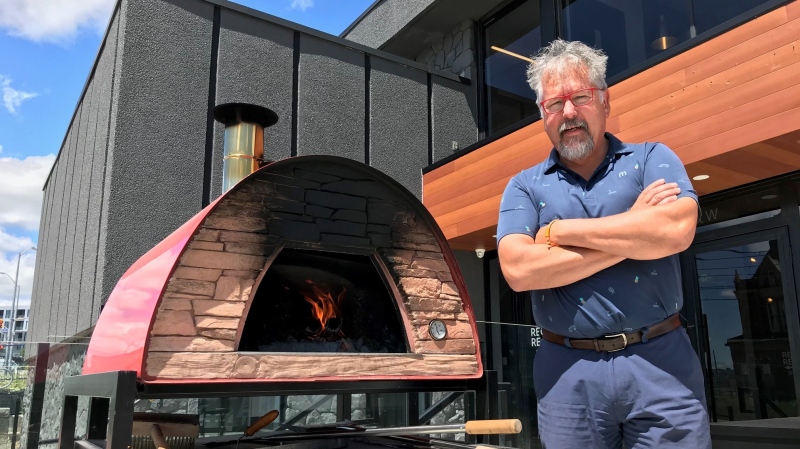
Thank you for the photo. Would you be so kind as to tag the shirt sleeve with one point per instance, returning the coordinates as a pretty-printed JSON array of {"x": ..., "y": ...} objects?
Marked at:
[
  {"x": 663, "y": 163},
  {"x": 518, "y": 212}
]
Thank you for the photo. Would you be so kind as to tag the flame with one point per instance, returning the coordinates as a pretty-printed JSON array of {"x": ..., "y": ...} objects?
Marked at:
[{"x": 324, "y": 306}]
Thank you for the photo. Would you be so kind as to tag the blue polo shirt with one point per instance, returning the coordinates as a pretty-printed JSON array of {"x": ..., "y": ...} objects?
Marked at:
[{"x": 627, "y": 296}]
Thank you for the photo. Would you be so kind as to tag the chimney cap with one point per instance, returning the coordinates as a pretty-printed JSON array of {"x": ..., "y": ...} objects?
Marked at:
[{"x": 233, "y": 113}]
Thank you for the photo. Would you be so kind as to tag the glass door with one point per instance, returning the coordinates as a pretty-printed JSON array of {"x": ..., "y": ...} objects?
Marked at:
[{"x": 742, "y": 307}]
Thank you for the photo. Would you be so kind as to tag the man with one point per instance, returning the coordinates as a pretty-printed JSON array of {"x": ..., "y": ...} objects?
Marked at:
[{"x": 593, "y": 232}]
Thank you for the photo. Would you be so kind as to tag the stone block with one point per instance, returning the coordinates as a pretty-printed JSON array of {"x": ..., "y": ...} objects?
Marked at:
[
  {"x": 449, "y": 288},
  {"x": 237, "y": 223},
  {"x": 220, "y": 260},
  {"x": 380, "y": 240},
  {"x": 430, "y": 264},
  {"x": 379, "y": 229},
  {"x": 344, "y": 240},
  {"x": 415, "y": 246},
  {"x": 176, "y": 304},
  {"x": 293, "y": 217},
  {"x": 246, "y": 237},
  {"x": 398, "y": 256},
  {"x": 289, "y": 181},
  {"x": 405, "y": 272},
  {"x": 428, "y": 255},
  {"x": 425, "y": 288},
  {"x": 189, "y": 344},
  {"x": 191, "y": 286},
  {"x": 294, "y": 230},
  {"x": 382, "y": 213},
  {"x": 455, "y": 329},
  {"x": 336, "y": 200},
  {"x": 445, "y": 276},
  {"x": 219, "y": 334},
  {"x": 198, "y": 365},
  {"x": 416, "y": 304},
  {"x": 341, "y": 227},
  {"x": 209, "y": 235},
  {"x": 414, "y": 237},
  {"x": 281, "y": 205},
  {"x": 251, "y": 274},
  {"x": 291, "y": 193},
  {"x": 357, "y": 216},
  {"x": 249, "y": 248},
  {"x": 315, "y": 176},
  {"x": 174, "y": 322},
  {"x": 318, "y": 211},
  {"x": 218, "y": 308},
  {"x": 197, "y": 274},
  {"x": 231, "y": 288},
  {"x": 213, "y": 322}
]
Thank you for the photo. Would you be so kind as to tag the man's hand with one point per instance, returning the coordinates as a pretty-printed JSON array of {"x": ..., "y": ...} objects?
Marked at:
[{"x": 656, "y": 194}]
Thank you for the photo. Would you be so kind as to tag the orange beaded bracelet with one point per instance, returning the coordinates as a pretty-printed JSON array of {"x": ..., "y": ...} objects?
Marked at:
[{"x": 550, "y": 243}]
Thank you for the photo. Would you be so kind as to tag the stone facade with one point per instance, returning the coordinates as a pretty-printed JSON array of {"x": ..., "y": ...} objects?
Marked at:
[
  {"x": 452, "y": 52},
  {"x": 314, "y": 205}
]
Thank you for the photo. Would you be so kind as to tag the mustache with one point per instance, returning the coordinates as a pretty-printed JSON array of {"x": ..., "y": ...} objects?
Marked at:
[{"x": 573, "y": 123}]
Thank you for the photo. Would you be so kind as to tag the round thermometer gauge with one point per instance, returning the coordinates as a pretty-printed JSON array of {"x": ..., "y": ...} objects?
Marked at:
[{"x": 437, "y": 329}]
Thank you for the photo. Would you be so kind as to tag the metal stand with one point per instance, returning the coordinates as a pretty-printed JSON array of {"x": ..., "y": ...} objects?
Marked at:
[{"x": 113, "y": 394}]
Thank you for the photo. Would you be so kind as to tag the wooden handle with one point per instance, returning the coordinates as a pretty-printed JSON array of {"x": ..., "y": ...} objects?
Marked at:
[
  {"x": 261, "y": 423},
  {"x": 493, "y": 426},
  {"x": 158, "y": 437}
]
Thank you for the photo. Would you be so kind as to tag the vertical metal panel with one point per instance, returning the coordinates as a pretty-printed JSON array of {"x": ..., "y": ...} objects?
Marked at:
[
  {"x": 71, "y": 188},
  {"x": 255, "y": 66},
  {"x": 330, "y": 99},
  {"x": 398, "y": 113},
  {"x": 455, "y": 116},
  {"x": 102, "y": 91},
  {"x": 39, "y": 291},
  {"x": 157, "y": 154},
  {"x": 80, "y": 197}
]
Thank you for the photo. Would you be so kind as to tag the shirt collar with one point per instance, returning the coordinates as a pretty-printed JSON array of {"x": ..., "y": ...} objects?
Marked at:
[{"x": 615, "y": 147}]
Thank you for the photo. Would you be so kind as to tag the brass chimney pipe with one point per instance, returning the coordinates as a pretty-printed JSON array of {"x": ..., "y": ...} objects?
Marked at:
[{"x": 244, "y": 139}]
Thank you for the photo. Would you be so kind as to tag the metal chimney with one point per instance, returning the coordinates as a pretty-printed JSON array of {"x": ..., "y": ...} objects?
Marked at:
[{"x": 244, "y": 139}]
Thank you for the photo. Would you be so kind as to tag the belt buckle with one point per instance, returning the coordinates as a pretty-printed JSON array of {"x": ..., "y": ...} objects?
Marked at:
[{"x": 624, "y": 341}]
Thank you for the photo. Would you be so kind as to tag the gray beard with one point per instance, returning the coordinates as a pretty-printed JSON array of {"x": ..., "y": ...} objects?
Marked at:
[{"x": 578, "y": 147}]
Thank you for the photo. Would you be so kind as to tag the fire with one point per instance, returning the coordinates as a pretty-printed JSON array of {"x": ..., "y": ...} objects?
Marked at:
[{"x": 324, "y": 306}]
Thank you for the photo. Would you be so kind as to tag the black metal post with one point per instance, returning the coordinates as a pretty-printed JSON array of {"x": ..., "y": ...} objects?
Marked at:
[
  {"x": 37, "y": 395},
  {"x": 412, "y": 409},
  {"x": 98, "y": 418},
  {"x": 344, "y": 406},
  {"x": 120, "y": 413},
  {"x": 69, "y": 413},
  {"x": 15, "y": 423}
]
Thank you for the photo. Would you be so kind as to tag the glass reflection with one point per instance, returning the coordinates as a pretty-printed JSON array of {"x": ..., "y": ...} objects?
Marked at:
[
  {"x": 509, "y": 40},
  {"x": 630, "y": 32},
  {"x": 748, "y": 357}
]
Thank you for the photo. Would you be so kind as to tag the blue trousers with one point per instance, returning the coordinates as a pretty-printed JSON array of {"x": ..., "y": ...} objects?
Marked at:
[{"x": 649, "y": 395}]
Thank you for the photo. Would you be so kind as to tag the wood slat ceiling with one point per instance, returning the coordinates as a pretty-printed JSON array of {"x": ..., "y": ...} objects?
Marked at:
[{"x": 730, "y": 108}]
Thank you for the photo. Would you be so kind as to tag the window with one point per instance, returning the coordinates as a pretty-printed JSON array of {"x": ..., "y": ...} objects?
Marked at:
[
  {"x": 511, "y": 37},
  {"x": 630, "y": 32}
]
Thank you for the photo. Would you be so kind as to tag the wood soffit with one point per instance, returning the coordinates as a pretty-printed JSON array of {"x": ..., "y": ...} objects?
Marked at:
[{"x": 730, "y": 108}]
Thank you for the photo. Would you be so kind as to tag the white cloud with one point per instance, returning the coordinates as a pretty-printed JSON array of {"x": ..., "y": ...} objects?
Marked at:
[
  {"x": 53, "y": 20},
  {"x": 12, "y": 98},
  {"x": 21, "y": 183},
  {"x": 10, "y": 248},
  {"x": 302, "y": 5}
]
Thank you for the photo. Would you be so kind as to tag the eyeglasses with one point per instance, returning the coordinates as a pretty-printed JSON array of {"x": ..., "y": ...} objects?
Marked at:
[{"x": 581, "y": 97}]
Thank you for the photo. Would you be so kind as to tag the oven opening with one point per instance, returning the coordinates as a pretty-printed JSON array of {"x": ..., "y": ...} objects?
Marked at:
[{"x": 319, "y": 301}]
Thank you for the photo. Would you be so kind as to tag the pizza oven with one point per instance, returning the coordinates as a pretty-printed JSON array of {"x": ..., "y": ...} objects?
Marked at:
[{"x": 312, "y": 268}]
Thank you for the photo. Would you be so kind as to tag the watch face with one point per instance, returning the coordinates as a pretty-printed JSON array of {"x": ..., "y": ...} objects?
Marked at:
[{"x": 437, "y": 329}]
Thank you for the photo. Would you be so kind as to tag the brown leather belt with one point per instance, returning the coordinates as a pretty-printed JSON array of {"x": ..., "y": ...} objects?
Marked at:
[{"x": 615, "y": 342}]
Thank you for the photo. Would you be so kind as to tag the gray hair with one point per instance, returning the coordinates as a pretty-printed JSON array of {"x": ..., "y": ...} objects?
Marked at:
[{"x": 563, "y": 56}]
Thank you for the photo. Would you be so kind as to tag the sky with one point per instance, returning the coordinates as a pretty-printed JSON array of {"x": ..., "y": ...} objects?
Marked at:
[{"x": 47, "y": 49}]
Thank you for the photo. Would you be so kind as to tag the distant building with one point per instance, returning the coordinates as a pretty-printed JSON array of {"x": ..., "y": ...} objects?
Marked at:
[{"x": 20, "y": 330}]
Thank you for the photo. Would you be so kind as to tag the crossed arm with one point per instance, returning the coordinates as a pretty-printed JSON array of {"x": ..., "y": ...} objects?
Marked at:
[{"x": 587, "y": 246}]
